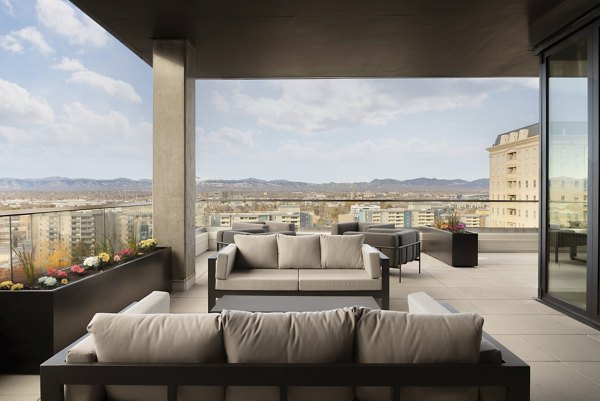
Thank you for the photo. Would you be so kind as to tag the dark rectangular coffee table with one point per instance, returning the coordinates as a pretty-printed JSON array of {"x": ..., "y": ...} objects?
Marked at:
[{"x": 278, "y": 303}]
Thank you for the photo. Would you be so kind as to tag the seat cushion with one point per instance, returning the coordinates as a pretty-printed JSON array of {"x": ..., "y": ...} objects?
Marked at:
[
  {"x": 299, "y": 252},
  {"x": 341, "y": 251},
  {"x": 260, "y": 279},
  {"x": 256, "y": 251},
  {"x": 337, "y": 280}
]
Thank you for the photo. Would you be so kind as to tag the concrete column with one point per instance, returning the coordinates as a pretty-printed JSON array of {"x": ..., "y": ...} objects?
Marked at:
[{"x": 174, "y": 162}]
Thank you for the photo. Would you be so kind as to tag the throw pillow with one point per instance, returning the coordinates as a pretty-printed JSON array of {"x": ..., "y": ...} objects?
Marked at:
[
  {"x": 302, "y": 252},
  {"x": 342, "y": 251},
  {"x": 256, "y": 251}
]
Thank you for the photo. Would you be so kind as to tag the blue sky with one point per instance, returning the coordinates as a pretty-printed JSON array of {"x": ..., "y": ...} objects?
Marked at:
[{"x": 74, "y": 102}]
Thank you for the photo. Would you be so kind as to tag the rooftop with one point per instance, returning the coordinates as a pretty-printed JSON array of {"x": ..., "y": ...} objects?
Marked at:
[{"x": 563, "y": 353}]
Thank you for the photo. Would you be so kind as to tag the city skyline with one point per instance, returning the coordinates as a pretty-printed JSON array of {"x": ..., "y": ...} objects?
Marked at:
[{"x": 68, "y": 107}]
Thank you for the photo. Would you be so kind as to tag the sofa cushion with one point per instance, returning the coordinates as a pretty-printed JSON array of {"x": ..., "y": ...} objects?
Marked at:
[
  {"x": 256, "y": 251},
  {"x": 302, "y": 252},
  {"x": 398, "y": 337},
  {"x": 157, "y": 338},
  {"x": 336, "y": 280},
  {"x": 260, "y": 279},
  {"x": 341, "y": 251},
  {"x": 291, "y": 337}
]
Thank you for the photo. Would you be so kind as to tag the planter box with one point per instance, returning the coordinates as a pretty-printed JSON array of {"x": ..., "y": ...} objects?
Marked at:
[
  {"x": 457, "y": 250},
  {"x": 36, "y": 324}
]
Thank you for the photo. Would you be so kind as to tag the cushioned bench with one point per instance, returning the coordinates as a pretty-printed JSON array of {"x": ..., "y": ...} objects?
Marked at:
[{"x": 298, "y": 265}]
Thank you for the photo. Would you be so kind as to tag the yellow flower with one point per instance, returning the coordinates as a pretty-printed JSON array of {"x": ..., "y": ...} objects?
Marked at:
[
  {"x": 105, "y": 257},
  {"x": 64, "y": 281},
  {"x": 5, "y": 285},
  {"x": 16, "y": 287}
]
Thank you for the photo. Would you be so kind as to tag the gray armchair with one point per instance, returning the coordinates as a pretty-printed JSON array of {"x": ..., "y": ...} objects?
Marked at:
[
  {"x": 363, "y": 226},
  {"x": 399, "y": 245},
  {"x": 225, "y": 237}
]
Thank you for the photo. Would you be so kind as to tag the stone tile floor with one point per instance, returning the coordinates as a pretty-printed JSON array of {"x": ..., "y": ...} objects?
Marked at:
[{"x": 564, "y": 354}]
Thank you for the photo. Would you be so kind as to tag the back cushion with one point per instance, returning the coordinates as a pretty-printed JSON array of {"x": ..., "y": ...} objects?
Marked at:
[
  {"x": 292, "y": 337},
  {"x": 256, "y": 251},
  {"x": 302, "y": 252},
  {"x": 159, "y": 338},
  {"x": 398, "y": 337},
  {"x": 341, "y": 251}
]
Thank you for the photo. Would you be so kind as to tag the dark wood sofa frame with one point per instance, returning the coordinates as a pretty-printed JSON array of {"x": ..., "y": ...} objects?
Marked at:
[
  {"x": 513, "y": 374},
  {"x": 383, "y": 294}
]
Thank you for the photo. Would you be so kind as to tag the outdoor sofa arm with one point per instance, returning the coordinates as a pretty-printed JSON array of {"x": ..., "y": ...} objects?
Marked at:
[
  {"x": 372, "y": 261},
  {"x": 225, "y": 261}
]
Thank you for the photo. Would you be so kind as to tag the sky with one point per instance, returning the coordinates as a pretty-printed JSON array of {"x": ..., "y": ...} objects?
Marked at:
[{"x": 74, "y": 102}]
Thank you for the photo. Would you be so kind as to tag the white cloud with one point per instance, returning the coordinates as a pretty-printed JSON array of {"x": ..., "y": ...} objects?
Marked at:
[
  {"x": 77, "y": 27},
  {"x": 114, "y": 87},
  {"x": 80, "y": 142},
  {"x": 18, "y": 106},
  {"x": 70, "y": 64},
  {"x": 12, "y": 135},
  {"x": 10, "y": 43},
  {"x": 14, "y": 41},
  {"x": 81, "y": 127},
  {"x": 220, "y": 102},
  {"x": 225, "y": 139},
  {"x": 9, "y": 7},
  {"x": 33, "y": 36},
  {"x": 313, "y": 106}
]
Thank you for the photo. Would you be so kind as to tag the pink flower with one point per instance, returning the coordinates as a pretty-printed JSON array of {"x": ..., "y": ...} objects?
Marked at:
[
  {"x": 77, "y": 269},
  {"x": 117, "y": 258},
  {"x": 58, "y": 274}
]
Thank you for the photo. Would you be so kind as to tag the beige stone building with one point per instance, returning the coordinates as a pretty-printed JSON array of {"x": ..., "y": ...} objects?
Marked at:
[{"x": 514, "y": 178}]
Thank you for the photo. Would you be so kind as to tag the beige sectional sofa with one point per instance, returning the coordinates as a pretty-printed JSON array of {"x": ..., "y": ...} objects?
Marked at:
[
  {"x": 343, "y": 354},
  {"x": 298, "y": 265}
]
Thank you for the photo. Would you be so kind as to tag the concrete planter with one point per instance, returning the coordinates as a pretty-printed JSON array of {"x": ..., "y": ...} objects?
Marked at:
[
  {"x": 36, "y": 324},
  {"x": 457, "y": 250}
]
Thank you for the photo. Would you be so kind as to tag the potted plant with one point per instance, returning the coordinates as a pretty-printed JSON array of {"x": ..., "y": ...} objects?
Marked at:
[{"x": 450, "y": 242}]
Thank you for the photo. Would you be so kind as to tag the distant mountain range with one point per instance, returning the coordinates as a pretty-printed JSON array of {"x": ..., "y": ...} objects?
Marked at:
[
  {"x": 377, "y": 185},
  {"x": 60, "y": 184},
  {"x": 245, "y": 185}
]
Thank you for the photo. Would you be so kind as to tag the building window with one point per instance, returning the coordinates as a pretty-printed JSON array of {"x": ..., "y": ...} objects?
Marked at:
[
  {"x": 526, "y": 184},
  {"x": 534, "y": 183}
]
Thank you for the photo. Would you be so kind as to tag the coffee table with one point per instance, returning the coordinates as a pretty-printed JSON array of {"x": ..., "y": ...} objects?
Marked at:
[{"x": 284, "y": 303}]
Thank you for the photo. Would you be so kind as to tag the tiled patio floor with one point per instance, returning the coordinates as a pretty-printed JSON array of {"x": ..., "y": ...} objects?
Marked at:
[{"x": 564, "y": 354}]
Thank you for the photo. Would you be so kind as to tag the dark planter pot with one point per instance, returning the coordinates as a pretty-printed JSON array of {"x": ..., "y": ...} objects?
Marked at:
[
  {"x": 35, "y": 324},
  {"x": 457, "y": 250}
]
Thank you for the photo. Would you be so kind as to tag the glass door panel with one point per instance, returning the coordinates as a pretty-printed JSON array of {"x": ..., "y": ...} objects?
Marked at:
[{"x": 568, "y": 143}]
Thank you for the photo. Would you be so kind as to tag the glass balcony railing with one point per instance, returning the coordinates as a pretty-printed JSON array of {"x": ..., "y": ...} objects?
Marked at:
[
  {"x": 62, "y": 237},
  {"x": 320, "y": 214}
]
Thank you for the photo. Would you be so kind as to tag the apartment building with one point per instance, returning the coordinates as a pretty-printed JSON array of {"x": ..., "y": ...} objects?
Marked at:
[{"x": 514, "y": 178}]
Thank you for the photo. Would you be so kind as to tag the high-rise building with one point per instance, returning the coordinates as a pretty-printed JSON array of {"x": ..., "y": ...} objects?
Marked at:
[{"x": 514, "y": 177}]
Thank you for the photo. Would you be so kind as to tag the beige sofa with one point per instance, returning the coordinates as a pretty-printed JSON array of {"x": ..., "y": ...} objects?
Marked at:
[
  {"x": 298, "y": 265},
  {"x": 343, "y": 354}
]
